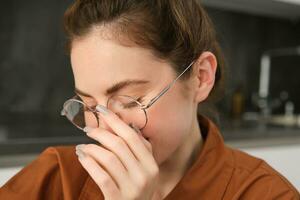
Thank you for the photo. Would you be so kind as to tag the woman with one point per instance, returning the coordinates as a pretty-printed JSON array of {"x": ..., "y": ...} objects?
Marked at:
[{"x": 142, "y": 69}]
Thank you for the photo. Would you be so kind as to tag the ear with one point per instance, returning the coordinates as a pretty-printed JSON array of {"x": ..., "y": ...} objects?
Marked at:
[{"x": 204, "y": 73}]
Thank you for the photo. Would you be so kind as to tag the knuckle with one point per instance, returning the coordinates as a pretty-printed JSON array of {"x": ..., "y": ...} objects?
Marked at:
[
  {"x": 104, "y": 181},
  {"x": 118, "y": 142},
  {"x": 131, "y": 193},
  {"x": 131, "y": 138},
  {"x": 141, "y": 182},
  {"x": 110, "y": 158},
  {"x": 154, "y": 171}
]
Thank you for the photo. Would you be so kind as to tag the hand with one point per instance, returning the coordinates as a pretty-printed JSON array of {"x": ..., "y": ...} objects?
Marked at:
[{"x": 125, "y": 169}]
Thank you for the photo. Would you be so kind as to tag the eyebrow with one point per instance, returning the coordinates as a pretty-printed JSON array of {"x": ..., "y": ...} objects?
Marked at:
[{"x": 116, "y": 87}]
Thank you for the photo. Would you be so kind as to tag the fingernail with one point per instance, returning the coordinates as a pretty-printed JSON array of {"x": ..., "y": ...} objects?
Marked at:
[
  {"x": 102, "y": 109},
  {"x": 88, "y": 129},
  {"x": 80, "y": 154},
  {"x": 79, "y": 147}
]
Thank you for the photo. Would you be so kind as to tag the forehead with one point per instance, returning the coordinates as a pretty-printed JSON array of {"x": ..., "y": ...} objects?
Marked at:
[
  {"x": 98, "y": 62},
  {"x": 97, "y": 47}
]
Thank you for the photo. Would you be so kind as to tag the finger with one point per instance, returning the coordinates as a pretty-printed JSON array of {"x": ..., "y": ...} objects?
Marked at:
[
  {"x": 128, "y": 134},
  {"x": 107, "y": 185},
  {"x": 118, "y": 146},
  {"x": 146, "y": 142},
  {"x": 108, "y": 160}
]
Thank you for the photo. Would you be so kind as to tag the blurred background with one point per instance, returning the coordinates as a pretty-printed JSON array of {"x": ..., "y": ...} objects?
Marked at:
[{"x": 260, "y": 112}]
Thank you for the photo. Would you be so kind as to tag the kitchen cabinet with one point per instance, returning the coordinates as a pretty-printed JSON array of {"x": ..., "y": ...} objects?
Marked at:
[{"x": 287, "y": 9}]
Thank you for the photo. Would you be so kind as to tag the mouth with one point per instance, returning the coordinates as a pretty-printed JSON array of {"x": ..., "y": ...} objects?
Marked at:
[{"x": 145, "y": 137}]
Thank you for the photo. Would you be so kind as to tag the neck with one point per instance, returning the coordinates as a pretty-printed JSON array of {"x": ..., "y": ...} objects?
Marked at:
[{"x": 172, "y": 170}]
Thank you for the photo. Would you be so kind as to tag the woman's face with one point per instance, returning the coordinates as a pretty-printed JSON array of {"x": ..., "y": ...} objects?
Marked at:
[{"x": 99, "y": 63}]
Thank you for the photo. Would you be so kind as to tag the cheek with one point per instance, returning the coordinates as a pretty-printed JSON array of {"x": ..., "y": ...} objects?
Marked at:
[{"x": 168, "y": 126}]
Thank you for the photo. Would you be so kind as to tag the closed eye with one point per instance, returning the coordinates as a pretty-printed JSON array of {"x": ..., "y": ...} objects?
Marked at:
[
  {"x": 133, "y": 103},
  {"x": 140, "y": 99}
]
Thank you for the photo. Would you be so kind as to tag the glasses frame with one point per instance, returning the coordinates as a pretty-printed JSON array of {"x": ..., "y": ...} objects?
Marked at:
[{"x": 144, "y": 107}]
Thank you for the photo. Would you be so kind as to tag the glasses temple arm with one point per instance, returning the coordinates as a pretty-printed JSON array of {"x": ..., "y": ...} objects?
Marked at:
[
  {"x": 167, "y": 87},
  {"x": 159, "y": 95}
]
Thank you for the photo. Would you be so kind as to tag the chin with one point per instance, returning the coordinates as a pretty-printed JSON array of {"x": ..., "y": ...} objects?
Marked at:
[{"x": 162, "y": 156}]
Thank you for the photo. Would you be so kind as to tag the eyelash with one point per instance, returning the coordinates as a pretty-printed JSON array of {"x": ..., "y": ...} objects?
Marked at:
[{"x": 139, "y": 99}]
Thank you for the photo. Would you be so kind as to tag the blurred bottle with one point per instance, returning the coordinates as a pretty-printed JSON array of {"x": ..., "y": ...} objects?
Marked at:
[{"x": 238, "y": 102}]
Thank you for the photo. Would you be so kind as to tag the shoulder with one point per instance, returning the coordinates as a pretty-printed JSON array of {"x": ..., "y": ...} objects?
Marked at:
[
  {"x": 52, "y": 174},
  {"x": 253, "y": 178}
]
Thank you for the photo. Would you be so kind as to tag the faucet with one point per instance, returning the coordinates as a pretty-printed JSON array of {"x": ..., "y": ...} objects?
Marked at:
[{"x": 263, "y": 100}]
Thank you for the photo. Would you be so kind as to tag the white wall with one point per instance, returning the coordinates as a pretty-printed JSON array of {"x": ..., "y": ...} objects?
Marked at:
[
  {"x": 285, "y": 159},
  {"x": 7, "y": 173}
]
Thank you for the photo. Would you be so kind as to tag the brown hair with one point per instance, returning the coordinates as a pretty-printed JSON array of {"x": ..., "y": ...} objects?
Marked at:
[{"x": 177, "y": 31}]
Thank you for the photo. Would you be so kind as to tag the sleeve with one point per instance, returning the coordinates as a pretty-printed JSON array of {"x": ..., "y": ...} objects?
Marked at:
[{"x": 50, "y": 176}]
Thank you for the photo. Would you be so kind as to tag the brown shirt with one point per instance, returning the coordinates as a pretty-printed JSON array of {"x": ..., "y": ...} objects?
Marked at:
[{"x": 219, "y": 172}]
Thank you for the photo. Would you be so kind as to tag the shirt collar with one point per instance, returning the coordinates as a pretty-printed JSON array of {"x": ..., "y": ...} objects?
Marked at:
[{"x": 211, "y": 171}]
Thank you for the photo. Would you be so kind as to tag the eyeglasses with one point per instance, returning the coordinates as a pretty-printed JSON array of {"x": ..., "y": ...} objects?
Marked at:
[{"x": 131, "y": 110}]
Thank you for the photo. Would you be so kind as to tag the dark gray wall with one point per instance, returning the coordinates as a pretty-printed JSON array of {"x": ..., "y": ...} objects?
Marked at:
[
  {"x": 35, "y": 74},
  {"x": 244, "y": 38}
]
